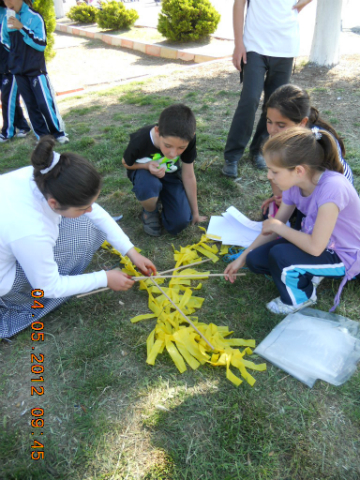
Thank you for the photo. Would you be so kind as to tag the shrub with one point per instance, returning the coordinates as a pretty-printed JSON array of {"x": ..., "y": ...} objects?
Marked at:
[
  {"x": 114, "y": 15},
  {"x": 82, "y": 13},
  {"x": 47, "y": 11},
  {"x": 186, "y": 20}
]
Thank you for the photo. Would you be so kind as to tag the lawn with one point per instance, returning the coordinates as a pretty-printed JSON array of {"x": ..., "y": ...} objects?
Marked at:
[{"x": 110, "y": 416}]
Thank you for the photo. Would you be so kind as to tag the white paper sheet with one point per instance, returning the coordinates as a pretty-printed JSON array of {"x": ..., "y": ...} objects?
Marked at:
[{"x": 234, "y": 228}]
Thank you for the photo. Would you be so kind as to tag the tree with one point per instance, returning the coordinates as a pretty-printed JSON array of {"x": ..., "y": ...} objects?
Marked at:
[
  {"x": 47, "y": 11},
  {"x": 325, "y": 47}
]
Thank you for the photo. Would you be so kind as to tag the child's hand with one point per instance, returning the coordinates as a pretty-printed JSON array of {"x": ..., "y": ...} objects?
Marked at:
[
  {"x": 143, "y": 263},
  {"x": 14, "y": 23},
  {"x": 269, "y": 226},
  {"x": 155, "y": 170},
  {"x": 117, "y": 280},
  {"x": 198, "y": 219},
  {"x": 234, "y": 266},
  {"x": 265, "y": 205}
]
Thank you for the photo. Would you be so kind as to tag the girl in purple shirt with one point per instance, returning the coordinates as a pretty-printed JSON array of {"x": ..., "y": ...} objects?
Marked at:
[{"x": 305, "y": 165}]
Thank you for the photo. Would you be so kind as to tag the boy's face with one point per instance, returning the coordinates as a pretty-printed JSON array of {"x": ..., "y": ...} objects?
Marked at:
[{"x": 172, "y": 147}]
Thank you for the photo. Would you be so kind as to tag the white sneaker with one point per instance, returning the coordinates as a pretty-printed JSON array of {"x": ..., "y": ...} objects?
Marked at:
[
  {"x": 22, "y": 133},
  {"x": 278, "y": 306},
  {"x": 317, "y": 280},
  {"x": 3, "y": 139},
  {"x": 63, "y": 140}
]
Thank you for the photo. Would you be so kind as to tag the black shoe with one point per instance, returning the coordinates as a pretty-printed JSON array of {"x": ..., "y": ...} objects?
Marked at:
[
  {"x": 259, "y": 161},
  {"x": 230, "y": 169}
]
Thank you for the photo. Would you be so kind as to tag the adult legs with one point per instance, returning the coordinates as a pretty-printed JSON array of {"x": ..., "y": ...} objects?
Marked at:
[
  {"x": 243, "y": 120},
  {"x": 292, "y": 269},
  {"x": 278, "y": 73}
]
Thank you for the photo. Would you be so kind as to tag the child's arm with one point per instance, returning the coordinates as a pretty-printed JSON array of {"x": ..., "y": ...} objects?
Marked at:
[
  {"x": 152, "y": 167},
  {"x": 34, "y": 37},
  {"x": 189, "y": 181},
  {"x": 282, "y": 216},
  {"x": 313, "y": 243},
  {"x": 5, "y": 39}
]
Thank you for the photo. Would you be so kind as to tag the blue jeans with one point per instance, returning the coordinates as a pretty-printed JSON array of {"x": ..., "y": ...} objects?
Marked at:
[
  {"x": 260, "y": 73},
  {"x": 176, "y": 211}
]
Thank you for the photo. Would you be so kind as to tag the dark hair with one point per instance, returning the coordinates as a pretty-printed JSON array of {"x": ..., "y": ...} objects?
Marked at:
[
  {"x": 301, "y": 146},
  {"x": 177, "y": 120},
  {"x": 2, "y": 4},
  {"x": 73, "y": 181},
  {"x": 294, "y": 103}
]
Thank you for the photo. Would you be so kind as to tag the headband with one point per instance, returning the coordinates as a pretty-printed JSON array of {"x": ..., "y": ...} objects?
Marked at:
[{"x": 55, "y": 160}]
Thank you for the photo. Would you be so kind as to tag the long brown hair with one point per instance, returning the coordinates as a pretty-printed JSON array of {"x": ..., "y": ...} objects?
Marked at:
[
  {"x": 293, "y": 103},
  {"x": 303, "y": 146}
]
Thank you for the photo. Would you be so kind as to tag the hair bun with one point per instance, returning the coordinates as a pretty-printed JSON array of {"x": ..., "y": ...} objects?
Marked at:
[{"x": 42, "y": 156}]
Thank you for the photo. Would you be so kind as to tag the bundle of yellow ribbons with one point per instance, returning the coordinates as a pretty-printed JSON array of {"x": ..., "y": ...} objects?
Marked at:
[{"x": 182, "y": 342}]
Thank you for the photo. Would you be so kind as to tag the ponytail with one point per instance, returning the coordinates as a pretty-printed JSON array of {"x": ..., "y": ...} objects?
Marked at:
[
  {"x": 303, "y": 146},
  {"x": 68, "y": 178},
  {"x": 316, "y": 121}
]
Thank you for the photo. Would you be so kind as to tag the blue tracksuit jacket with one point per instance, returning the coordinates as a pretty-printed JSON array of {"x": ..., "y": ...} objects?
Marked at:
[{"x": 26, "y": 46}]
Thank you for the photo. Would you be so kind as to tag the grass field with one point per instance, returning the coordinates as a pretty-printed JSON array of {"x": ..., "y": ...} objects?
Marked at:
[{"x": 110, "y": 416}]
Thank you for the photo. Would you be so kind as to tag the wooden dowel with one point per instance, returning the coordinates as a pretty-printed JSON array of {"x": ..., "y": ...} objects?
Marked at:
[
  {"x": 192, "y": 276},
  {"x": 185, "y": 266},
  {"x": 138, "y": 279},
  {"x": 182, "y": 314}
]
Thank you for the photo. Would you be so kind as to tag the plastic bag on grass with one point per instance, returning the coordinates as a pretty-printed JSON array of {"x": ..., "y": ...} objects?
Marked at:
[{"x": 312, "y": 344}]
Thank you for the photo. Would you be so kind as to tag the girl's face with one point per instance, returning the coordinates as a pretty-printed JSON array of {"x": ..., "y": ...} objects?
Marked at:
[
  {"x": 71, "y": 212},
  {"x": 281, "y": 177},
  {"x": 276, "y": 123}
]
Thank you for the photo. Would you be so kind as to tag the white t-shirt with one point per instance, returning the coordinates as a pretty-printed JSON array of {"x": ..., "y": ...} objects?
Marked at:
[
  {"x": 272, "y": 28},
  {"x": 29, "y": 229}
]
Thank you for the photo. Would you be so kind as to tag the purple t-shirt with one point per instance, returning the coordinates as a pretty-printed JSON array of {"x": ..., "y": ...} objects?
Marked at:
[{"x": 333, "y": 187}]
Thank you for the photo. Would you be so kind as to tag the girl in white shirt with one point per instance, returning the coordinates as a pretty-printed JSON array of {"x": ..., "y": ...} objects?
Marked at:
[{"x": 50, "y": 227}]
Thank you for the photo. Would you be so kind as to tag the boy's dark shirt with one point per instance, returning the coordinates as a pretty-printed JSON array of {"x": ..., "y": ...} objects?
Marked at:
[{"x": 141, "y": 146}]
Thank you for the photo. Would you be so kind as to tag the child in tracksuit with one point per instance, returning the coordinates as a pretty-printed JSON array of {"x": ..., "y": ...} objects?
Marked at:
[
  {"x": 14, "y": 123},
  {"x": 25, "y": 37}
]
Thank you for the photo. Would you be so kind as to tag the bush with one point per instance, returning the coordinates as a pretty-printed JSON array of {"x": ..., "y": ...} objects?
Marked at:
[
  {"x": 186, "y": 20},
  {"x": 47, "y": 11},
  {"x": 114, "y": 15},
  {"x": 82, "y": 13}
]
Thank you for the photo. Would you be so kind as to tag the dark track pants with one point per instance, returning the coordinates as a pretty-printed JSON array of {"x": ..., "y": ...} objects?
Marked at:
[
  {"x": 292, "y": 269},
  {"x": 260, "y": 73},
  {"x": 13, "y": 117},
  {"x": 41, "y": 105}
]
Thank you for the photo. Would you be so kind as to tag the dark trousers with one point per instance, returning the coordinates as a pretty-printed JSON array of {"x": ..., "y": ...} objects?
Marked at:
[
  {"x": 13, "y": 117},
  {"x": 176, "y": 211},
  {"x": 260, "y": 73},
  {"x": 41, "y": 105},
  {"x": 292, "y": 269}
]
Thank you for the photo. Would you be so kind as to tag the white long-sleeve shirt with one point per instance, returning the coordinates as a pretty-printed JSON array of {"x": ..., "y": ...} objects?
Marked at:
[{"x": 29, "y": 229}]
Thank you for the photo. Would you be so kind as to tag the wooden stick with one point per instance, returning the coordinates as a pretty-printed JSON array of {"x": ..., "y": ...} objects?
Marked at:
[
  {"x": 185, "y": 266},
  {"x": 138, "y": 279},
  {"x": 182, "y": 314},
  {"x": 193, "y": 276}
]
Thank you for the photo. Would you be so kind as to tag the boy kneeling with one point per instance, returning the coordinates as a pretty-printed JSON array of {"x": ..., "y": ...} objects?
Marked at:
[{"x": 152, "y": 160}]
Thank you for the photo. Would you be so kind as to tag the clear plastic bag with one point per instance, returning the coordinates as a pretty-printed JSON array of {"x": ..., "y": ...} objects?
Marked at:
[{"x": 312, "y": 344}]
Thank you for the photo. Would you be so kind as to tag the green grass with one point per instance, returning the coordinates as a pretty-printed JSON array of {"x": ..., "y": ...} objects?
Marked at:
[{"x": 109, "y": 415}]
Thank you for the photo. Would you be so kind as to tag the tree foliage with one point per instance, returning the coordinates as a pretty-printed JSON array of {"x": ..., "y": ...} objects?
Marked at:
[
  {"x": 82, "y": 13},
  {"x": 113, "y": 15},
  {"x": 47, "y": 11},
  {"x": 187, "y": 20}
]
